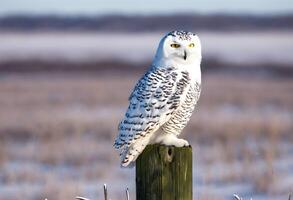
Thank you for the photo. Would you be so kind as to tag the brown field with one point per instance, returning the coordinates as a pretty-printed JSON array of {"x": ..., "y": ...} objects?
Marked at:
[{"x": 57, "y": 131}]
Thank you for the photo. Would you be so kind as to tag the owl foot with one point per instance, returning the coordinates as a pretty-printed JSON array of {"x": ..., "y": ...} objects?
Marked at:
[{"x": 172, "y": 140}]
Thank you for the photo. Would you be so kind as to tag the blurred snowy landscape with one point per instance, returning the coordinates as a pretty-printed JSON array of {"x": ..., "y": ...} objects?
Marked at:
[
  {"x": 57, "y": 132},
  {"x": 239, "y": 47},
  {"x": 62, "y": 94}
]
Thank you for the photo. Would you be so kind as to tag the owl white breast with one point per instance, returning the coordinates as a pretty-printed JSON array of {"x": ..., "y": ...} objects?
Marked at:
[{"x": 164, "y": 98}]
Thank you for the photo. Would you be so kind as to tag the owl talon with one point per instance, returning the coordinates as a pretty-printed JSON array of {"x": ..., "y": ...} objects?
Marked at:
[
  {"x": 181, "y": 143},
  {"x": 172, "y": 140}
]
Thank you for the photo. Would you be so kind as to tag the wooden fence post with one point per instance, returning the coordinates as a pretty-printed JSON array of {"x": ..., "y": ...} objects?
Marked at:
[{"x": 164, "y": 173}]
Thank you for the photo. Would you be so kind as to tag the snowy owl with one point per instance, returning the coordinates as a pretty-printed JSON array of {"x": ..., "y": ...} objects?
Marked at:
[{"x": 163, "y": 100}]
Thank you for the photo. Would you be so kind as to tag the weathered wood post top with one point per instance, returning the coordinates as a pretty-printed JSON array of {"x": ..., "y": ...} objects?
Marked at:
[{"x": 164, "y": 173}]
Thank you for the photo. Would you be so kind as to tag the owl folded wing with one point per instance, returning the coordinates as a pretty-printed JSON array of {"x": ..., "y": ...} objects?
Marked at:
[{"x": 155, "y": 97}]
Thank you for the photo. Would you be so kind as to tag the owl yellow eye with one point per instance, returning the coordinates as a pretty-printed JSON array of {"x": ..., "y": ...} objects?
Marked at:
[
  {"x": 191, "y": 45},
  {"x": 175, "y": 45}
]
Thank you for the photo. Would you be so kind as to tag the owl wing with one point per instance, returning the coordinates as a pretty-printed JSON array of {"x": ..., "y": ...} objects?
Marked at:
[{"x": 155, "y": 97}]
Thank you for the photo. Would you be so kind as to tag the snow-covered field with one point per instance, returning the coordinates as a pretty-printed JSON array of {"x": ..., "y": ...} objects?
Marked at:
[
  {"x": 57, "y": 132},
  {"x": 247, "y": 47},
  {"x": 57, "y": 129}
]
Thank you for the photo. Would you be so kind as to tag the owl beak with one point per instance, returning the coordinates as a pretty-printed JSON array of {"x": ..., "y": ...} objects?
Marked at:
[{"x": 185, "y": 55}]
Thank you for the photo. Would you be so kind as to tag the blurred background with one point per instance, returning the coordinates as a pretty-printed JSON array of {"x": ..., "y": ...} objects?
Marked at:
[{"x": 67, "y": 68}]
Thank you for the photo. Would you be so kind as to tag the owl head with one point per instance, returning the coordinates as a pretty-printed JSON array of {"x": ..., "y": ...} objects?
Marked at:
[{"x": 179, "y": 47}]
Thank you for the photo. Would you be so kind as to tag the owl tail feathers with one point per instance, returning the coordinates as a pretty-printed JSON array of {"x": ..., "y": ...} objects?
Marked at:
[
  {"x": 128, "y": 164},
  {"x": 129, "y": 154}
]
